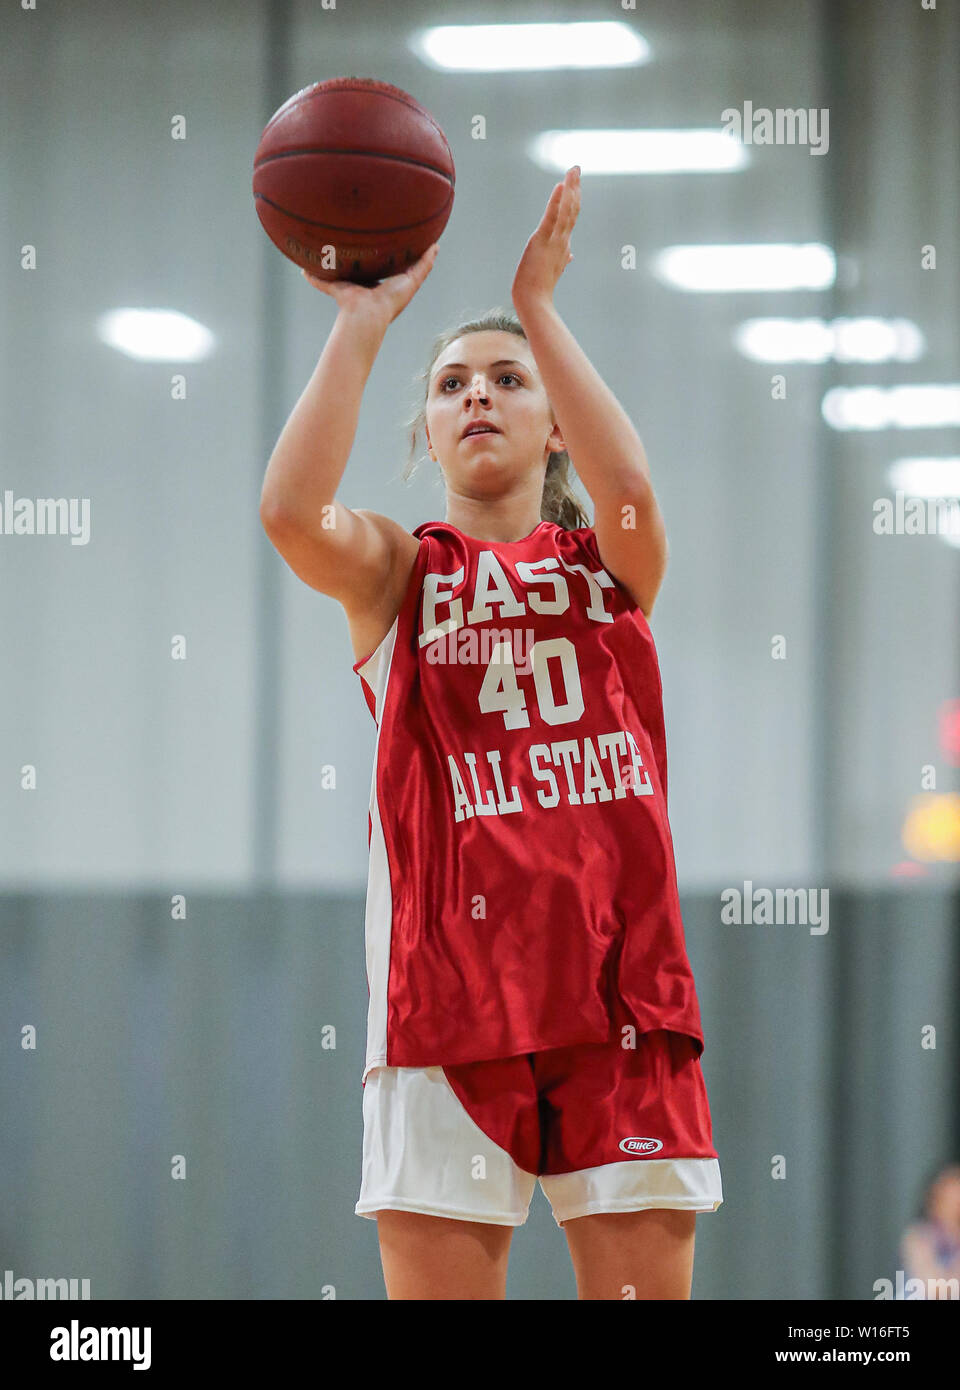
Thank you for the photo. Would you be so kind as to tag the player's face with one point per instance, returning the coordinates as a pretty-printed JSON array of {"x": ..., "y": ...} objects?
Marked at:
[
  {"x": 498, "y": 383},
  {"x": 945, "y": 1198}
]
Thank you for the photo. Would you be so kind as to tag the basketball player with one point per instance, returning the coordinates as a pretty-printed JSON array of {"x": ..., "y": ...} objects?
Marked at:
[{"x": 532, "y": 1013}]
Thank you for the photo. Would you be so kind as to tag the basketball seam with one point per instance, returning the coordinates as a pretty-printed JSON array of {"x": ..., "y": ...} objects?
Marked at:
[
  {"x": 353, "y": 231},
  {"x": 348, "y": 85},
  {"x": 367, "y": 154}
]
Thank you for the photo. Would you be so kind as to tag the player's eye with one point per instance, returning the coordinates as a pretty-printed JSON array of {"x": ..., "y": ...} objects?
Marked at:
[{"x": 512, "y": 375}]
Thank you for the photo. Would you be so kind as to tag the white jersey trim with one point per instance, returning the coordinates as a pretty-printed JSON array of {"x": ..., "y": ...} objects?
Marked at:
[{"x": 378, "y": 919}]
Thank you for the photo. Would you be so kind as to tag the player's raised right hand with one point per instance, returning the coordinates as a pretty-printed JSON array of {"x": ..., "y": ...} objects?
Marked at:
[{"x": 387, "y": 298}]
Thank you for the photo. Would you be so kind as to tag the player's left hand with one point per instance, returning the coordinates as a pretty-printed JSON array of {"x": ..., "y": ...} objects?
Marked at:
[{"x": 547, "y": 253}]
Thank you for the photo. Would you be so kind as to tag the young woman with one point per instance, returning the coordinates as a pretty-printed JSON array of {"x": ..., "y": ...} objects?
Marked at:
[
  {"x": 532, "y": 1013},
  {"x": 930, "y": 1246}
]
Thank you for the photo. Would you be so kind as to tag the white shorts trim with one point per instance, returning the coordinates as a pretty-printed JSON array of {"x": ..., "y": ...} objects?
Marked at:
[
  {"x": 423, "y": 1152},
  {"x": 682, "y": 1184}
]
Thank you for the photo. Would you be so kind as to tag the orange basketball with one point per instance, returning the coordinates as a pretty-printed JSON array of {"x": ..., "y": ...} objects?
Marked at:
[{"x": 353, "y": 179}]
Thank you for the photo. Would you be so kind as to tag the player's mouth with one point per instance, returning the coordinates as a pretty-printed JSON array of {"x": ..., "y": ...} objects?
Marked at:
[{"x": 479, "y": 427}]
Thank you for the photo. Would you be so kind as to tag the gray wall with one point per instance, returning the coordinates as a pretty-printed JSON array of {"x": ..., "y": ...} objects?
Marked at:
[{"x": 206, "y": 1036}]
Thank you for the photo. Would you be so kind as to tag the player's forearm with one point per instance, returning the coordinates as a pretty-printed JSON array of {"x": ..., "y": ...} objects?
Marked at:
[
  {"x": 309, "y": 458},
  {"x": 601, "y": 441}
]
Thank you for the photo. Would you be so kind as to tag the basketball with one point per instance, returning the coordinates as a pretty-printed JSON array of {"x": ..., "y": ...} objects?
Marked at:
[{"x": 353, "y": 179}]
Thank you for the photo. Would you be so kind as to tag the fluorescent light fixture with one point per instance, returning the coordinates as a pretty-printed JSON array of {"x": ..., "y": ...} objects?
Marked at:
[
  {"x": 843, "y": 340},
  {"x": 926, "y": 477},
  {"x": 155, "y": 335},
  {"x": 530, "y": 47},
  {"x": 772, "y": 266},
  {"x": 639, "y": 151},
  {"x": 931, "y": 478},
  {"x": 892, "y": 407}
]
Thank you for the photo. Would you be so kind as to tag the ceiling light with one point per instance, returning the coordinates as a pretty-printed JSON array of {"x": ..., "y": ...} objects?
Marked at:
[
  {"x": 843, "y": 340},
  {"x": 155, "y": 335},
  {"x": 530, "y": 47},
  {"x": 638, "y": 151},
  {"x": 892, "y": 407},
  {"x": 926, "y": 477},
  {"x": 773, "y": 266}
]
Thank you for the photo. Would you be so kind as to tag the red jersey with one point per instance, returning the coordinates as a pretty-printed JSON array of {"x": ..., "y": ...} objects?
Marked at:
[{"x": 518, "y": 827}]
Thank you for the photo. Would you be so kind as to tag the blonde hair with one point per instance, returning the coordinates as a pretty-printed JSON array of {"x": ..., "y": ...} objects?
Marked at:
[{"x": 558, "y": 503}]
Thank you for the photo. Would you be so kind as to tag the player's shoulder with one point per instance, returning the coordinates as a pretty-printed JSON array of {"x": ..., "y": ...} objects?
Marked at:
[
  {"x": 583, "y": 537},
  {"x": 399, "y": 538}
]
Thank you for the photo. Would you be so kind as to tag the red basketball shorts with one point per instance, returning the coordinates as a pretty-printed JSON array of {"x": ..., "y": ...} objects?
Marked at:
[{"x": 601, "y": 1126}]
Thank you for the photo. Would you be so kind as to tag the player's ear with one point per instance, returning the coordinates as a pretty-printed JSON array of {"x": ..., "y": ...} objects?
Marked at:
[{"x": 555, "y": 441}]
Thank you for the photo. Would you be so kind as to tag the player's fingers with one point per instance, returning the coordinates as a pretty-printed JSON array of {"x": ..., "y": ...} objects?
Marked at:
[
  {"x": 571, "y": 206},
  {"x": 323, "y": 285},
  {"x": 421, "y": 268},
  {"x": 549, "y": 219},
  {"x": 553, "y": 209}
]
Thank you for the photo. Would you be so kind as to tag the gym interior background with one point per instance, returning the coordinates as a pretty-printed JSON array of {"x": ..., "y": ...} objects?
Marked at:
[{"x": 810, "y": 661}]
